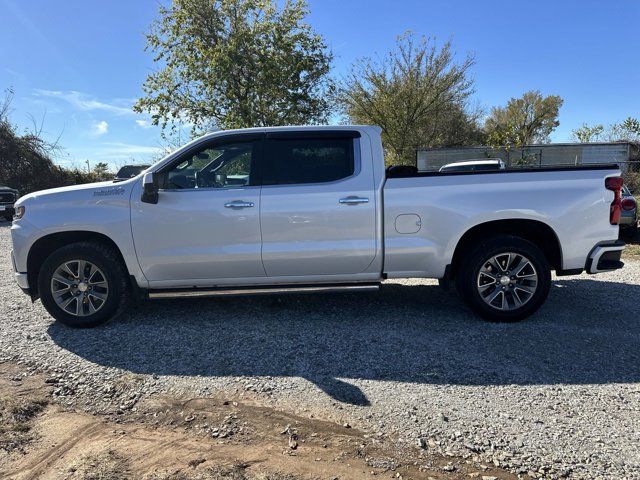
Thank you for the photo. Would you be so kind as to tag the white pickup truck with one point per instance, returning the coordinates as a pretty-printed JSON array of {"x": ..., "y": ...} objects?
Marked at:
[{"x": 311, "y": 209}]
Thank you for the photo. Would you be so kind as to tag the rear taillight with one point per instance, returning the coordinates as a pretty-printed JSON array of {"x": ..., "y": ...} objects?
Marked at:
[
  {"x": 628, "y": 204},
  {"x": 615, "y": 185}
]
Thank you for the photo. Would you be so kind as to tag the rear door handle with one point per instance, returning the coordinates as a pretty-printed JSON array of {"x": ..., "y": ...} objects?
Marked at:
[
  {"x": 353, "y": 200},
  {"x": 238, "y": 204}
]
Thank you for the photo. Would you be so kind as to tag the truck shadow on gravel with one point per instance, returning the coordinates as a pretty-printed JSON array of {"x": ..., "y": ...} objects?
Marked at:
[{"x": 587, "y": 333}]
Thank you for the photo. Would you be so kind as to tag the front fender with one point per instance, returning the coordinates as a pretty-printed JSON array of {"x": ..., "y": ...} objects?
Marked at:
[{"x": 81, "y": 210}]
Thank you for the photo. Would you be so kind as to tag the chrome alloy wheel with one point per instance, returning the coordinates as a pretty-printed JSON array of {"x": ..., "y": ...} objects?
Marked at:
[
  {"x": 507, "y": 281},
  {"x": 79, "y": 288}
]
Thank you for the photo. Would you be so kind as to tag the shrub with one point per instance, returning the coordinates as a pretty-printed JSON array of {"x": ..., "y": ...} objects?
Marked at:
[{"x": 26, "y": 164}]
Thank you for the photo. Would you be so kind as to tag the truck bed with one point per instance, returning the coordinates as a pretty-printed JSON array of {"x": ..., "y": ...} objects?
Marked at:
[
  {"x": 404, "y": 173},
  {"x": 572, "y": 201}
]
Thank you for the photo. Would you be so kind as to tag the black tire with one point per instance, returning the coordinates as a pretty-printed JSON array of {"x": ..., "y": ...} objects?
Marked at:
[
  {"x": 103, "y": 257},
  {"x": 467, "y": 277},
  {"x": 8, "y": 218}
]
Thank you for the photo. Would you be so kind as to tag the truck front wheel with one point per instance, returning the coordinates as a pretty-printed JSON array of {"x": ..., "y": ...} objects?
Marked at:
[
  {"x": 504, "y": 279},
  {"x": 83, "y": 284}
]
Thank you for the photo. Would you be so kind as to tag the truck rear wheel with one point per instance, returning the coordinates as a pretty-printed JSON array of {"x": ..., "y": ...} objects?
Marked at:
[
  {"x": 504, "y": 279},
  {"x": 83, "y": 284}
]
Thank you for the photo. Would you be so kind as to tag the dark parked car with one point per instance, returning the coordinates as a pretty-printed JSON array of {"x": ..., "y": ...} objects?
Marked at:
[
  {"x": 129, "y": 171},
  {"x": 629, "y": 216},
  {"x": 8, "y": 197}
]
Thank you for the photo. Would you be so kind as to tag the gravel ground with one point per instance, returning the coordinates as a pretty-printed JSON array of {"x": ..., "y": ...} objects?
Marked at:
[{"x": 557, "y": 395}]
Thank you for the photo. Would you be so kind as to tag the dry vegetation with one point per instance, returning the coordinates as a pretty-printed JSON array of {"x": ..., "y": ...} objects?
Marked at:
[
  {"x": 16, "y": 415},
  {"x": 235, "y": 472},
  {"x": 107, "y": 465},
  {"x": 111, "y": 465}
]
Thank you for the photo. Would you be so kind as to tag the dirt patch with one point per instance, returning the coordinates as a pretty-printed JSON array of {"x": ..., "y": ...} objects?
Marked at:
[{"x": 166, "y": 438}]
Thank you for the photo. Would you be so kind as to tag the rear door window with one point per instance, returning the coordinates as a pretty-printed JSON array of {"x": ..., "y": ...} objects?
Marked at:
[{"x": 303, "y": 161}]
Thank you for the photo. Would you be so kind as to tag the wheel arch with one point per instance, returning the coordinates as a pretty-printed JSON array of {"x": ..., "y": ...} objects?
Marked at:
[
  {"x": 46, "y": 245},
  {"x": 535, "y": 231}
]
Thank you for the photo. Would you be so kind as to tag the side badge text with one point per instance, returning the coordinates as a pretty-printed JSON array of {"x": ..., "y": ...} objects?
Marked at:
[{"x": 109, "y": 192}]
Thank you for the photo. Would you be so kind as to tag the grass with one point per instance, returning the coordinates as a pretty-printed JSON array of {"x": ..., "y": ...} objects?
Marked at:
[
  {"x": 15, "y": 422},
  {"x": 107, "y": 465},
  {"x": 236, "y": 472},
  {"x": 110, "y": 465}
]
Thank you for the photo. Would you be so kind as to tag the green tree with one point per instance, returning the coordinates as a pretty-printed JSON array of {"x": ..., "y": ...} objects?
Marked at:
[
  {"x": 101, "y": 171},
  {"x": 525, "y": 120},
  {"x": 586, "y": 134},
  {"x": 417, "y": 94},
  {"x": 236, "y": 63},
  {"x": 626, "y": 131}
]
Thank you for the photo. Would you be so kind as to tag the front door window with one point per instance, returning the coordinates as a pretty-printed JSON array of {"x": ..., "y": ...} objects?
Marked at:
[{"x": 222, "y": 166}]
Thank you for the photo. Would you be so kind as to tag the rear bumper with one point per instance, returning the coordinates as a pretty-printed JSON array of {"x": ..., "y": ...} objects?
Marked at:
[{"x": 605, "y": 257}]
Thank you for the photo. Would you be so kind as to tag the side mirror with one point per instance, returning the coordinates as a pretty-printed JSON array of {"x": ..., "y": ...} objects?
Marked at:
[{"x": 149, "y": 188}]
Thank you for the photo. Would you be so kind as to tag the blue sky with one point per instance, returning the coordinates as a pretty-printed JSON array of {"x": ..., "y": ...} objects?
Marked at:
[{"x": 81, "y": 64}]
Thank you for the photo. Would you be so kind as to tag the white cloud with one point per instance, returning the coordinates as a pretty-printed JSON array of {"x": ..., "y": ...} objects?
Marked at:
[
  {"x": 144, "y": 123},
  {"x": 85, "y": 102},
  {"x": 99, "y": 128}
]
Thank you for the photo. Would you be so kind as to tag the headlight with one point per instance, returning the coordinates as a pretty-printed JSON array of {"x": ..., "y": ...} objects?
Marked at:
[{"x": 19, "y": 213}]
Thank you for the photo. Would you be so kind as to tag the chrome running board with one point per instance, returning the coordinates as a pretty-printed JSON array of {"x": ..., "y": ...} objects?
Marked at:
[{"x": 264, "y": 290}]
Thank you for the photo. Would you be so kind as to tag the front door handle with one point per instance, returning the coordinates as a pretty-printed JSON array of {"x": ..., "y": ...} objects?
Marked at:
[
  {"x": 353, "y": 200},
  {"x": 238, "y": 204}
]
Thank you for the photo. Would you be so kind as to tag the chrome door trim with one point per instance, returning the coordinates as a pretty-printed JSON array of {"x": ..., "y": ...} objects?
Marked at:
[{"x": 261, "y": 291}]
